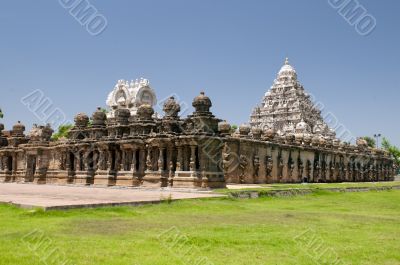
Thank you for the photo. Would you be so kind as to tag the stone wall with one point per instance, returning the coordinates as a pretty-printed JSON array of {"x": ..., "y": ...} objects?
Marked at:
[
  {"x": 247, "y": 160},
  {"x": 199, "y": 151}
]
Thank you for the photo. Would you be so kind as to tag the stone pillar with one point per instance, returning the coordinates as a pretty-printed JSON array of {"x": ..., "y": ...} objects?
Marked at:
[
  {"x": 133, "y": 163},
  {"x": 109, "y": 160},
  {"x": 123, "y": 158},
  {"x": 170, "y": 165},
  {"x": 169, "y": 161},
  {"x": 78, "y": 162},
  {"x": 275, "y": 164},
  {"x": 192, "y": 164},
  {"x": 300, "y": 169},
  {"x": 100, "y": 160},
  {"x": 15, "y": 164},
  {"x": 179, "y": 162},
  {"x": 160, "y": 162},
  {"x": 327, "y": 173},
  {"x": 311, "y": 170},
  {"x": 149, "y": 161},
  {"x": 86, "y": 160},
  {"x": 295, "y": 170},
  {"x": 95, "y": 159},
  {"x": 68, "y": 161},
  {"x": 117, "y": 163},
  {"x": 142, "y": 155},
  {"x": 285, "y": 166}
]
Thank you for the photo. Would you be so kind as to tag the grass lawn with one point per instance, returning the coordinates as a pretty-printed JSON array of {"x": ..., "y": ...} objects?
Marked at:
[{"x": 358, "y": 228}]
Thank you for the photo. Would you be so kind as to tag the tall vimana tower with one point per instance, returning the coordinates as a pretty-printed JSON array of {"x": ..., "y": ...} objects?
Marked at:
[{"x": 288, "y": 109}]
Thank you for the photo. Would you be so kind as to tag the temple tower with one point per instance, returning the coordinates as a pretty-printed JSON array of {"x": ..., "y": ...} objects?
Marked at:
[
  {"x": 288, "y": 109},
  {"x": 130, "y": 96}
]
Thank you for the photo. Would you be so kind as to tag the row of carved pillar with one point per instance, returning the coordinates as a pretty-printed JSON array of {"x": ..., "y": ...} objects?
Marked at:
[
  {"x": 137, "y": 159},
  {"x": 296, "y": 168}
]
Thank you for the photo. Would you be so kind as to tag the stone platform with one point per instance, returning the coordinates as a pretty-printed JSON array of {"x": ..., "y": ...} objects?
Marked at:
[{"x": 51, "y": 197}]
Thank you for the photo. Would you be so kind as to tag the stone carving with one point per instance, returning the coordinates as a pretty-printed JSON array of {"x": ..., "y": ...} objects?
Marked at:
[
  {"x": 18, "y": 130},
  {"x": 224, "y": 128},
  {"x": 243, "y": 163},
  {"x": 171, "y": 108},
  {"x": 40, "y": 133},
  {"x": 244, "y": 130},
  {"x": 332, "y": 170},
  {"x": 256, "y": 165},
  {"x": 291, "y": 168},
  {"x": 317, "y": 169},
  {"x": 202, "y": 103},
  {"x": 171, "y": 174},
  {"x": 226, "y": 158},
  {"x": 361, "y": 142},
  {"x": 268, "y": 166},
  {"x": 149, "y": 162},
  {"x": 280, "y": 167},
  {"x": 301, "y": 168},
  {"x": 308, "y": 171}
]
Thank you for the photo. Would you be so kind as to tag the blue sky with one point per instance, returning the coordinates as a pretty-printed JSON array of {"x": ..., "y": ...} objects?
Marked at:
[{"x": 230, "y": 49}]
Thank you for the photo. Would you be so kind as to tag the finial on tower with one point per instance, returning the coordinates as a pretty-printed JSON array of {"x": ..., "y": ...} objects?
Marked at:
[{"x": 287, "y": 61}]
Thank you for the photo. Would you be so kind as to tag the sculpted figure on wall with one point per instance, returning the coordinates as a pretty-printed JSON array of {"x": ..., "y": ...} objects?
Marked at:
[
  {"x": 268, "y": 166},
  {"x": 301, "y": 168},
  {"x": 243, "y": 163},
  {"x": 256, "y": 165},
  {"x": 280, "y": 167}
]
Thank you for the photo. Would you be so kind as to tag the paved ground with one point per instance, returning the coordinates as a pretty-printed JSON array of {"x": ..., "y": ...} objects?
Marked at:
[
  {"x": 64, "y": 197},
  {"x": 242, "y": 186}
]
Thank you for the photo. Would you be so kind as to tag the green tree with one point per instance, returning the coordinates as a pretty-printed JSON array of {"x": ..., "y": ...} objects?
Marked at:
[
  {"x": 393, "y": 150},
  {"x": 233, "y": 128},
  {"x": 371, "y": 141},
  {"x": 1, "y": 114},
  {"x": 62, "y": 131}
]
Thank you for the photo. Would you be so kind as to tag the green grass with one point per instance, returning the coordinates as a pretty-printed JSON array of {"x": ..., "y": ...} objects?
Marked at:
[{"x": 360, "y": 228}]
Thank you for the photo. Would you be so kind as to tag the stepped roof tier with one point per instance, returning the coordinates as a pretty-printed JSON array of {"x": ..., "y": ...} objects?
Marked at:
[{"x": 288, "y": 109}]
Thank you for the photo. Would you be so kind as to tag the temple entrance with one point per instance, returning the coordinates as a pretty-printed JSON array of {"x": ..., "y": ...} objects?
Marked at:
[{"x": 31, "y": 168}]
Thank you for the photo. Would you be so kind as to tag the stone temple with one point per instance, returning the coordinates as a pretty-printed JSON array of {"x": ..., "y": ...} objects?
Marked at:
[{"x": 287, "y": 141}]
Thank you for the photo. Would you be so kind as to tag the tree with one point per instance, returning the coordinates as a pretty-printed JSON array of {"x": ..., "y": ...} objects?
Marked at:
[
  {"x": 63, "y": 131},
  {"x": 1, "y": 114},
  {"x": 393, "y": 150},
  {"x": 371, "y": 141},
  {"x": 233, "y": 128}
]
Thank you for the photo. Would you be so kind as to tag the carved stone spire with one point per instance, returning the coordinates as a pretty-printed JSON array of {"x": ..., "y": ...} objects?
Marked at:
[{"x": 287, "y": 108}]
